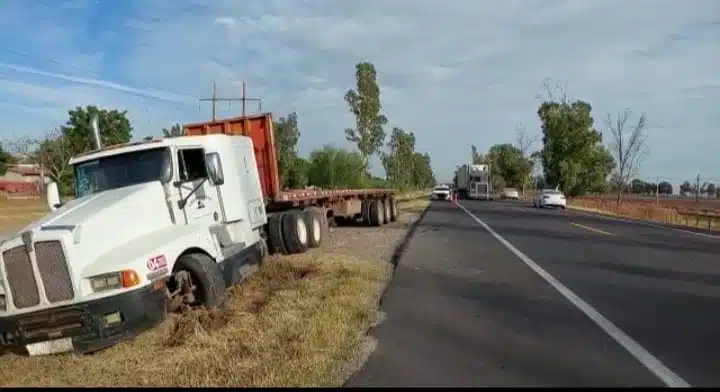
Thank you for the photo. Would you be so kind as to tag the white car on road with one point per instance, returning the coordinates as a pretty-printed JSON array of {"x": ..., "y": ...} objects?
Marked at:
[
  {"x": 441, "y": 192},
  {"x": 549, "y": 198}
]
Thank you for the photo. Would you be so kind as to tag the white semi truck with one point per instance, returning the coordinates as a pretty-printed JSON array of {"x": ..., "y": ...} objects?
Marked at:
[
  {"x": 474, "y": 182},
  {"x": 156, "y": 226}
]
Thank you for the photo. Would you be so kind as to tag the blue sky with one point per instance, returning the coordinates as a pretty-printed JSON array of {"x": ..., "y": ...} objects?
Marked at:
[{"x": 454, "y": 72}]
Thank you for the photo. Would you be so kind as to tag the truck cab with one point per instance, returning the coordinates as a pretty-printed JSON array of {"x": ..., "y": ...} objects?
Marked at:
[{"x": 155, "y": 226}]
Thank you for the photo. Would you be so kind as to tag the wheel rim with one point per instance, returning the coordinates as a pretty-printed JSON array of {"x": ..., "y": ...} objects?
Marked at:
[
  {"x": 316, "y": 230},
  {"x": 301, "y": 230}
]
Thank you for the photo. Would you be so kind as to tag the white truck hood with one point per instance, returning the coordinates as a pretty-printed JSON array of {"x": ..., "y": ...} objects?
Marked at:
[{"x": 104, "y": 221}]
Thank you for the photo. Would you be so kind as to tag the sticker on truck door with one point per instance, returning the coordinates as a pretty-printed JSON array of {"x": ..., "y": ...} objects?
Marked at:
[{"x": 156, "y": 263}]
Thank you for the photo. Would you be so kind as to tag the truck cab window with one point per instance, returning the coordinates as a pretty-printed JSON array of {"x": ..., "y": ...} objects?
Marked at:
[
  {"x": 118, "y": 171},
  {"x": 192, "y": 164}
]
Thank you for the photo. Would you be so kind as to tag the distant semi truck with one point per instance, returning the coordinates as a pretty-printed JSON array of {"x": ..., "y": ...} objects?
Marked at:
[{"x": 473, "y": 182}]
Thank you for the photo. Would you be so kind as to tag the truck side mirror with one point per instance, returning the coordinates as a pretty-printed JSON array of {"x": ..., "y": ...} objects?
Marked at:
[
  {"x": 214, "y": 168},
  {"x": 53, "y": 196}
]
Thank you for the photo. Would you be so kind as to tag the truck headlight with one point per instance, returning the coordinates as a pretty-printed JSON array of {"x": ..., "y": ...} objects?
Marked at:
[{"x": 115, "y": 280}]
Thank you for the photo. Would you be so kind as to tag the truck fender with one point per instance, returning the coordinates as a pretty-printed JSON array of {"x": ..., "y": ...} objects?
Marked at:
[{"x": 136, "y": 254}]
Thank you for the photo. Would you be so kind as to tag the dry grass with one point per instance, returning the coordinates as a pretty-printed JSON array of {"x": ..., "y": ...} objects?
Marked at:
[
  {"x": 299, "y": 321},
  {"x": 16, "y": 213},
  {"x": 676, "y": 212}
]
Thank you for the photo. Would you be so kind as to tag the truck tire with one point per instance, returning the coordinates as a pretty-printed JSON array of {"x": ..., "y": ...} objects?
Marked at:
[
  {"x": 394, "y": 210},
  {"x": 210, "y": 290},
  {"x": 294, "y": 232},
  {"x": 386, "y": 211},
  {"x": 314, "y": 223},
  {"x": 375, "y": 212},
  {"x": 365, "y": 211},
  {"x": 276, "y": 244}
]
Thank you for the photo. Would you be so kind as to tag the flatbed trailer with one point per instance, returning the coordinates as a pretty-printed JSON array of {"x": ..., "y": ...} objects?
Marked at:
[{"x": 342, "y": 204}]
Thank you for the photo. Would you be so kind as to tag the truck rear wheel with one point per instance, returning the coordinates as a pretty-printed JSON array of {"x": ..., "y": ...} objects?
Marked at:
[
  {"x": 386, "y": 211},
  {"x": 313, "y": 221},
  {"x": 365, "y": 210},
  {"x": 276, "y": 243},
  {"x": 376, "y": 213},
  {"x": 294, "y": 232},
  {"x": 196, "y": 281},
  {"x": 394, "y": 211}
]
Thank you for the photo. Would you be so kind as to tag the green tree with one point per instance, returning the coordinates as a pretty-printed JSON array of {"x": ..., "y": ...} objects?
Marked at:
[
  {"x": 364, "y": 103},
  {"x": 399, "y": 161},
  {"x": 686, "y": 188},
  {"x": 332, "y": 167},
  {"x": 174, "y": 131},
  {"x": 292, "y": 169},
  {"x": 665, "y": 188},
  {"x": 422, "y": 173},
  {"x": 476, "y": 157},
  {"x": 572, "y": 148},
  {"x": 509, "y": 163},
  {"x": 5, "y": 160},
  {"x": 114, "y": 125}
]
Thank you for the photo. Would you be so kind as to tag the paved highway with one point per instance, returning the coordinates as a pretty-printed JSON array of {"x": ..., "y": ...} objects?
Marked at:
[{"x": 501, "y": 294}]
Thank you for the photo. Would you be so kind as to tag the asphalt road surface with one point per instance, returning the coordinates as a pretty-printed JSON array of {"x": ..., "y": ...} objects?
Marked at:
[{"x": 502, "y": 294}]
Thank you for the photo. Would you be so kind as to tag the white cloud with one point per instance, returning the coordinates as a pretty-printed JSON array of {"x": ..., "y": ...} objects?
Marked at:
[{"x": 455, "y": 72}]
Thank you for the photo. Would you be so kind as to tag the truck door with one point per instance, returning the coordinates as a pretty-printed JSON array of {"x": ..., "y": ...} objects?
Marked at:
[{"x": 202, "y": 205}]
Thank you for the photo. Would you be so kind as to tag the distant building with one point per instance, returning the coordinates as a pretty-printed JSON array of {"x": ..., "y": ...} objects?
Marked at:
[{"x": 24, "y": 179}]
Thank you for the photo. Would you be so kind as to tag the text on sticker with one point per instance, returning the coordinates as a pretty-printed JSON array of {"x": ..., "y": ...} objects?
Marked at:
[{"x": 157, "y": 262}]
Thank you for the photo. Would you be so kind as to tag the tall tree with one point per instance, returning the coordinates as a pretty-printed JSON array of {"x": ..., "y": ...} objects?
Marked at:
[
  {"x": 287, "y": 135},
  {"x": 400, "y": 157},
  {"x": 627, "y": 146},
  {"x": 174, "y": 131},
  {"x": 422, "y": 173},
  {"x": 53, "y": 154},
  {"x": 114, "y": 125},
  {"x": 571, "y": 145},
  {"x": 364, "y": 103},
  {"x": 524, "y": 143}
]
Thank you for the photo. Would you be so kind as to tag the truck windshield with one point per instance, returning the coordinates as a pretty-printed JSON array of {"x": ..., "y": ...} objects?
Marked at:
[{"x": 118, "y": 171}]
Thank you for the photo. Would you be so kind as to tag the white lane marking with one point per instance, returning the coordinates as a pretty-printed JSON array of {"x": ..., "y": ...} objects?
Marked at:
[
  {"x": 634, "y": 348},
  {"x": 638, "y": 222}
]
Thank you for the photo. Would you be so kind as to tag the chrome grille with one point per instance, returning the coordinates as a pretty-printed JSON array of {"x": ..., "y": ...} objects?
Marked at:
[
  {"x": 54, "y": 271},
  {"x": 20, "y": 277}
]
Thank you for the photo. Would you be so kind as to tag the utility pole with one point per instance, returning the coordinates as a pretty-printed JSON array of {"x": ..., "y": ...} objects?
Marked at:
[
  {"x": 214, "y": 99},
  {"x": 657, "y": 191},
  {"x": 697, "y": 188}
]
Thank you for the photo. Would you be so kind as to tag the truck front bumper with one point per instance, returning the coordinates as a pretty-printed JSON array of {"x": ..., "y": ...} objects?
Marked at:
[{"x": 85, "y": 327}]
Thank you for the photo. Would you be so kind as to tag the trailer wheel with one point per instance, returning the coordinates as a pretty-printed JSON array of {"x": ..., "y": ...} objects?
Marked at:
[
  {"x": 313, "y": 221},
  {"x": 365, "y": 210},
  {"x": 294, "y": 232},
  {"x": 394, "y": 211},
  {"x": 376, "y": 213},
  {"x": 386, "y": 211},
  {"x": 276, "y": 243},
  {"x": 196, "y": 281}
]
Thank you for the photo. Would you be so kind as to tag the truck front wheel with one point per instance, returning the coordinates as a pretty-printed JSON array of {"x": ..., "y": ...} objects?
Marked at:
[
  {"x": 196, "y": 281},
  {"x": 295, "y": 231}
]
